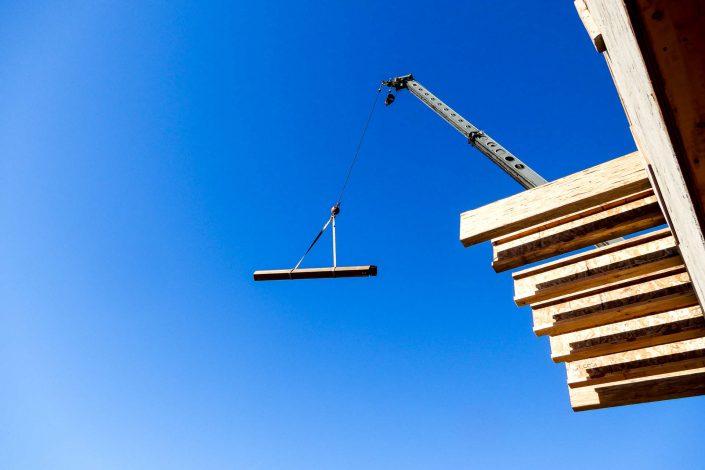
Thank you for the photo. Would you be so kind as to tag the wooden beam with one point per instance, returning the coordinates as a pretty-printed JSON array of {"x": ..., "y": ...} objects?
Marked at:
[
  {"x": 630, "y": 258},
  {"x": 682, "y": 384},
  {"x": 652, "y": 330},
  {"x": 590, "y": 254},
  {"x": 654, "y": 52},
  {"x": 611, "y": 180},
  {"x": 638, "y": 363},
  {"x": 663, "y": 291},
  {"x": 595, "y": 225},
  {"x": 315, "y": 273},
  {"x": 672, "y": 38}
]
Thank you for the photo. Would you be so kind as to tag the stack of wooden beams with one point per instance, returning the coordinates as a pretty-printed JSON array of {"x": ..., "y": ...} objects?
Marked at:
[{"x": 623, "y": 316}]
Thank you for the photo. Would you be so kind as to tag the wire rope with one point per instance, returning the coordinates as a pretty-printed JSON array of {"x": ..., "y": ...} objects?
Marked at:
[
  {"x": 335, "y": 209},
  {"x": 359, "y": 146}
]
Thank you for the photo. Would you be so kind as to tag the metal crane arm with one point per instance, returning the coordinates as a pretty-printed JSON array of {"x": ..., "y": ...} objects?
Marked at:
[{"x": 502, "y": 157}]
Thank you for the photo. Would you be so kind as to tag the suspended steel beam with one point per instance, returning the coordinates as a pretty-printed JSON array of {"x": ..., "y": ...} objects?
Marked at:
[{"x": 315, "y": 273}]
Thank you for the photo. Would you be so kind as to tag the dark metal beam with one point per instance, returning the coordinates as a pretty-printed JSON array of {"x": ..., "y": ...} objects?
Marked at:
[{"x": 315, "y": 273}]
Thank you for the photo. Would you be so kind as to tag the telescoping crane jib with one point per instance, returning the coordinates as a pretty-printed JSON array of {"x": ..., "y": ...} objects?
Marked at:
[
  {"x": 503, "y": 158},
  {"x": 492, "y": 149}
]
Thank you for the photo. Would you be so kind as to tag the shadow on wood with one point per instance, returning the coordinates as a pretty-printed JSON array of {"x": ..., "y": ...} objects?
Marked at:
[{"x": 315, "y": 273}]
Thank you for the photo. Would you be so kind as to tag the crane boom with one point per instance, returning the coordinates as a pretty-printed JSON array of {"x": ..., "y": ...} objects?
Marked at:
[
  {"x": 503, "y": 158},
  {"x": 506, "y": 160}
]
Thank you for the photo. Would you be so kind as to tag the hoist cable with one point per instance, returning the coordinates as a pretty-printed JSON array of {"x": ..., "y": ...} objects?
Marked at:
[
  {"x": 335, "y": 209},
  {"x": 359, "y": 146}
]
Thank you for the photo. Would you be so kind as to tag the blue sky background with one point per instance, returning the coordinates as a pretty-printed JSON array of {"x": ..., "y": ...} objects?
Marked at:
[{"x": 155, "y": 153}]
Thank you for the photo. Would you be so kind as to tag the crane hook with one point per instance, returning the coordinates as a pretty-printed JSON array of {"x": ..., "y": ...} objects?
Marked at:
[{"x": 390, "y": 98}]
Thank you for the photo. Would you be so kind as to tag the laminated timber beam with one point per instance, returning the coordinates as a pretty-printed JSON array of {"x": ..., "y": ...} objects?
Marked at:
[
  {"x": 617, "y": 178},
  {"x": 598, "y": 224},
  {"x": 639, "y": 363},
  {"x": 623, "y": 260},
  {"x": 665, "y": 290},
  {"x": 315, "y": 273},
  {"x": 652, "y": 330},
  {"x": 687, "y": 383}
]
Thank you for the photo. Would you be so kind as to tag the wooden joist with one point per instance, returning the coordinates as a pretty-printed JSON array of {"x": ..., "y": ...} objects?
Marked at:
[
  {"x": 315, "y": 273},
  {"x": 611, "y": 220},
  {"x": 655, "y": 360},
  {"x": 627, "y": 259},
  {"x": 652, "y": 330},
  {"x": 662, "y": 291},
  {"x": 682, "y": 384},
  {"x": 611, "y": 180}
]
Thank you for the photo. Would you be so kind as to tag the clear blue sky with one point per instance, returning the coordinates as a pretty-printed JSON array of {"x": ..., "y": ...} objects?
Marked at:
[{"x": 155, "y": 153}]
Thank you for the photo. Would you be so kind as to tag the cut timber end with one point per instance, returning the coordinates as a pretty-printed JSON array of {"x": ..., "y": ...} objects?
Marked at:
[{"x": 315, "y": 273}]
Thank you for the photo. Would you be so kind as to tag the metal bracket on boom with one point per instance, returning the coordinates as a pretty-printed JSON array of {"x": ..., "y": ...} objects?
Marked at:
[{"x": 398, "y": 83}]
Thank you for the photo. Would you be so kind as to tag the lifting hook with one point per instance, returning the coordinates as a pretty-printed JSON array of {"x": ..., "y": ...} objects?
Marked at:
[{"x": 389, "y": 99}]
